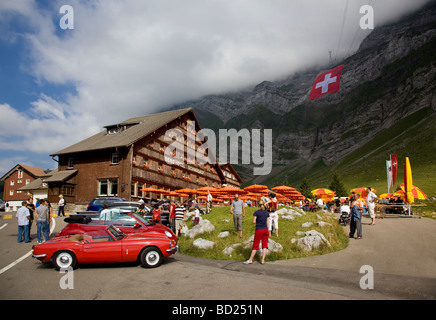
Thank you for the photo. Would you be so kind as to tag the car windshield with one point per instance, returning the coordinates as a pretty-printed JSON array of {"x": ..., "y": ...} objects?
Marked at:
[
  {"x": 116, "y": 233},
  {"x": 139, "y": 217}
]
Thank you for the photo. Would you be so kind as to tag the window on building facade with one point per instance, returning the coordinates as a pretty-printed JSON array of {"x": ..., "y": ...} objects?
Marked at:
[
  {"x": 108, "y": 187},
  {"x": 115, "y": 158},
  {"x": 20, "y": 174},
  {"x": 70, "y": 163}
]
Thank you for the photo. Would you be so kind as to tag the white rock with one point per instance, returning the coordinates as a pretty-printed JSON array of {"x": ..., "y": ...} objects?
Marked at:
[
  {"x": 282, "y": 211},
  {"x": 307, "y": 224},
  {"x": 229, "y": 250},
  {"x": 272, "y": 245},
  {"x": 323, "y": 223},
  {"x": 294, "y": 212},
  {"x": 203, "y": 244},
  {"x": 312, "y": 240},
  {"x": 203, "y": 226},
  {"x": 223, "y": 234},
  {"x": 226, "y": 220},
  {"x": 288, "y": 217}
]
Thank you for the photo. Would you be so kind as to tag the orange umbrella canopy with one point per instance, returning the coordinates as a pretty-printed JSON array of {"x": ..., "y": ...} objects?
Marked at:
[
  {"x": 187, "y": 190},
  {"x": 206, "y": 189},
  {"x": 232, "y": 190},
  {"x": 385, "y": 195},
  {"x": 362, "y": 191},
  {"x": 183, "y": 195},
  {"x": 255, "y": 187},
  {"x": 154, "y": 190},
  {"x": 283, "y": 189},
  {"x": 416, "y": 192},
  {"x": 322, "y": 191}
]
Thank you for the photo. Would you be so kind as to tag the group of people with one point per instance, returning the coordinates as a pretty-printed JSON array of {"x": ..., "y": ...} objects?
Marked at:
[
  {"x": 177, "y": 214},
  {"x": 354, "y": 208},
  {"x": 41, "y": 213},
  {"x": 27, "y": 213},
  {"x": 265, "y": 219}
]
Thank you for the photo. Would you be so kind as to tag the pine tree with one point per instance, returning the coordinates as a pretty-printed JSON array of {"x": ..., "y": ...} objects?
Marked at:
[
  {"x": 305, "y": 188},
  {"x": 337, "y": 186}
]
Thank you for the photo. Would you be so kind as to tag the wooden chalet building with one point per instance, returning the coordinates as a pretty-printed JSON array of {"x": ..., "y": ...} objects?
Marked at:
[
  {"x": 129, "y": 156},
  {"x": 16, "y": 182}
]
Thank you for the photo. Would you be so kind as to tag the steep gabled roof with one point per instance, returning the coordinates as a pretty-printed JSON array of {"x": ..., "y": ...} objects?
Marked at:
[
  {"x": 130, "y": 131},
  {"x": 33, "y": 171}
]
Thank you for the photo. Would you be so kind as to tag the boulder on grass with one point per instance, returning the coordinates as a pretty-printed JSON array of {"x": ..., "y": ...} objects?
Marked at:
[
  {"x": 312, "y": 240},
  {"x": 203, "y": 244},
  {"x": 203, "y": 226}
]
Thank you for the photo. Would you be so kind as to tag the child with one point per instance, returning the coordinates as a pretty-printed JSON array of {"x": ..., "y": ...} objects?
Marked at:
[{"x": 196, "y": 215}]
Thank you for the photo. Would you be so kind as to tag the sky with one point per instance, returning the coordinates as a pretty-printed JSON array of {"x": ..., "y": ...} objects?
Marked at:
[{"x": 62, "y": 80}]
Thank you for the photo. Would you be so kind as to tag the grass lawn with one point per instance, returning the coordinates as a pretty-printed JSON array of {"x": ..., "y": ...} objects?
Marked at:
[{"x": 287, "y": 230}]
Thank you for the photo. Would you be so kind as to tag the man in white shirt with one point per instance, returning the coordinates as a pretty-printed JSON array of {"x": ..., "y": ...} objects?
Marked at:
[
  {"x": 208, "y": 202},
  {"x": 23, "y": 217},
  {"x": 370, "y": 203},
  {"x": 320, "y": 204}
]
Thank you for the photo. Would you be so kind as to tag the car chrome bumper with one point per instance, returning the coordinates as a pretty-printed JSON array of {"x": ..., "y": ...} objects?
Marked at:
[
  {"x": 173, "y": 250},
  {"x": 38, "y": 256}
]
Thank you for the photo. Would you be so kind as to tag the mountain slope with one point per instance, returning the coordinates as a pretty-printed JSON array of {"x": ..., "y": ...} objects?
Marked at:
[{"x": 386, "y": 105}]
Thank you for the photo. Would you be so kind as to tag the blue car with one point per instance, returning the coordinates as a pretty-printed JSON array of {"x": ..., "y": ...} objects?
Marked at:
[{"x": 96, "y": 203}]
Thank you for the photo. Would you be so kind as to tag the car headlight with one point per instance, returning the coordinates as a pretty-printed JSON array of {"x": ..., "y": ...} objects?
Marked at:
[{"x": 168, "y": 234}]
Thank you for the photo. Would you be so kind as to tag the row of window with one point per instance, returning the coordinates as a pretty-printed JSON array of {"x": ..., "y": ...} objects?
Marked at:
[
  {"x": 12, "y": 183},
  {"x": 115, "y": 159}
]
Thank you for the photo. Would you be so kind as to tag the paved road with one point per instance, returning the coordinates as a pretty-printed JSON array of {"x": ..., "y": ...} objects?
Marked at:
[{"x": 400, "y": 251}]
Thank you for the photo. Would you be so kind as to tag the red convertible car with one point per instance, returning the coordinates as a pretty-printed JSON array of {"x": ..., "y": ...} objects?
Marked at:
[
  {"x": 127, "y": 222},
  {"x": 107, "y": 246}
]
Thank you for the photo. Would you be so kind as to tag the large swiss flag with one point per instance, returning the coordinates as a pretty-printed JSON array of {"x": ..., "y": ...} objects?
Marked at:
[{"x": 327, "y": 82}]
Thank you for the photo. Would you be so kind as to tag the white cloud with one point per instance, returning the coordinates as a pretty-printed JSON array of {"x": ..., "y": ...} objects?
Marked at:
[{"x": 129, "y": 58}]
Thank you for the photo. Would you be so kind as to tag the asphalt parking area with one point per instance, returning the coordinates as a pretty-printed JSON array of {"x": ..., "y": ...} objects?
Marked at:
[{"x": 332, "y": 276}]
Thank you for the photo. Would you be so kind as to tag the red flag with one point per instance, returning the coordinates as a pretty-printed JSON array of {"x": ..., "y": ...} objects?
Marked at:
[
  {"x": 327, "y": 82},
  {"x": 394, "y": 164}
]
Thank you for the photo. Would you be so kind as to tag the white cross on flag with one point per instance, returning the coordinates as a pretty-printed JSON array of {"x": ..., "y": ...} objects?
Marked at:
[{"x": 327, "y": 82}]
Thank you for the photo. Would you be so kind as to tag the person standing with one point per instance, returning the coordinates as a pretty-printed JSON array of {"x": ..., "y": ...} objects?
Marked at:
[
  {"x": 23, "y": 217},
  {"x": 172, "y": 216},
  {"x": 262, "y": 220},
  {"x": 237, "y": 208},
  {"x": 273, "y": 216},
  {"x": 42, "y": 221},
  {"x": 208, "y": 202},
  {"x": 356, "y": 217},
  {"x": 196, "y": 215},
  {"x": 180, "y": 213},
  {"x": 61, "y": 206},
  {"x": 31, "y": 208},
  {"x": 370, "y": 203},
  {"x": 320, "y": 203}
]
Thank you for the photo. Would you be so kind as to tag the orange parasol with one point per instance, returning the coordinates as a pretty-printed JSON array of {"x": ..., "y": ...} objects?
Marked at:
[
  {"x": 187, "y": 190},
  {"x": 255, "y": 188},
  {"x": 416, "y": 192},
  {"x": 283, "y": 189},
  {"x": 154, "y": 190},
  {"x": 362, "y": 191}
]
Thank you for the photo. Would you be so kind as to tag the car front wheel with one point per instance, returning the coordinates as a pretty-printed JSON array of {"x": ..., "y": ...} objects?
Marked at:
[
  {"x": 151, "y": 257},
  {"x": 64, "y": 260}
]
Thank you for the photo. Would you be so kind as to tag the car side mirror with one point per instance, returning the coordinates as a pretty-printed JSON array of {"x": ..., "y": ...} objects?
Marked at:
[{"x": 136, "y": 225}]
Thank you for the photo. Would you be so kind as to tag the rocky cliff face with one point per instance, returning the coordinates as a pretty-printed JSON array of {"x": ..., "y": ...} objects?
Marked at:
[{"x": 391, "y": 76}]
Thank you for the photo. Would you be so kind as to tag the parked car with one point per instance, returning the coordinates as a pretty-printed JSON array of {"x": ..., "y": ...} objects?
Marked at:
[
  {"x": 130, "y": 222},
  {"x": 110, "y": 245},
  {"x": 96, "y": 203},
  {"x": 2, "y": 205}
]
